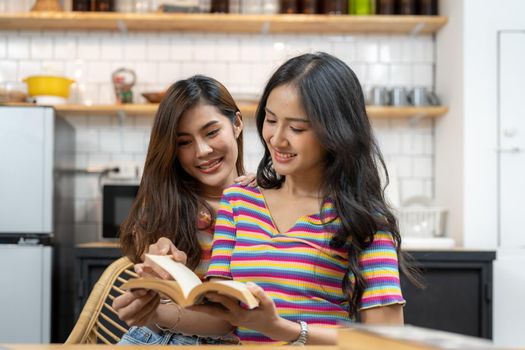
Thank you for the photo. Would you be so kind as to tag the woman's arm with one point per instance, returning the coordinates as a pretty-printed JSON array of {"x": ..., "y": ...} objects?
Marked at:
[
  {"x": 141, "y": 308},
  {"x": 387, "y": 315},
  {"x": 266, "y": 320},
  {"x": 172, "y": 317}
]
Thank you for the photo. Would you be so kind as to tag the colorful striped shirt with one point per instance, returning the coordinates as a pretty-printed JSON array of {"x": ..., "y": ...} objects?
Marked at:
[{"x": 298, "y": 269}]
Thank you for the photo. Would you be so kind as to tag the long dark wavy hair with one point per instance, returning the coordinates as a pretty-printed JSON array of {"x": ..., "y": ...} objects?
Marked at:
[
  {"x": 169, "y": 199},
  {"x": 333, "y": 101}
]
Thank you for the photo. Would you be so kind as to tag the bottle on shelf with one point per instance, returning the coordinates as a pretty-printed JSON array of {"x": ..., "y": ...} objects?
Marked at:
[
  {"x": 309, "y": 6},
  {"x": 270, "y": 6},
  {"x": 220, "y": 6},
  {"x": 250, "y": 6},
  {"x": 235, "y": 6},
  {"x": 406, "y": 7},
  {"x": 335, "y": 7},
  {"x": 385, "y": 7},
  {"x": 81, "y": 5},
  {"x": 361, "y": 7},
  {"x": 125, "y": 6},
  {"x": 104, "y": 5},
  {"x": 289, "y": 6},
  {"x": 205, "y": 6},
  {"x": 427, "y": 7}
]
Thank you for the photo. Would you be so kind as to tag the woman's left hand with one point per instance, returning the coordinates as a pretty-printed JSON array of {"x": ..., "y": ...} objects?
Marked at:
[
  {"x": 245, "y": 180},
  {"x": 264, "y": 318}
]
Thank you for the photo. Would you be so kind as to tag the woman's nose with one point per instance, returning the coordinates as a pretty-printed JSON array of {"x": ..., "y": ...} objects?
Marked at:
[
  {"x": 278, "y": 139},
  {"x": 203, "y": 149}
]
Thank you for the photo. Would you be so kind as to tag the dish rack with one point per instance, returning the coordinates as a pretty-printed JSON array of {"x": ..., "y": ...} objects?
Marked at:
[{"x": 420, "y": 220}]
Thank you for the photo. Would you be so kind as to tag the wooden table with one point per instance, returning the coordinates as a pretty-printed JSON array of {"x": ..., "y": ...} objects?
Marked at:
[
  {"x": 356, "y": 338},
  {"x": 150, "y": 347}
]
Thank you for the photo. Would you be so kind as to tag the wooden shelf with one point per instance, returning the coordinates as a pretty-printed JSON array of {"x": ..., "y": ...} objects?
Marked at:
[
  {"x": 405, "y": 112},
  {"x": 248, "y": 110},
  {"x": 147, "y": 109},
  {"x": 225, "y": 23}
]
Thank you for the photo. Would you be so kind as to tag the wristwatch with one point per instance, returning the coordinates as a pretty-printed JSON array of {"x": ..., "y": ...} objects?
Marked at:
[{"x": 303, "y": 336}]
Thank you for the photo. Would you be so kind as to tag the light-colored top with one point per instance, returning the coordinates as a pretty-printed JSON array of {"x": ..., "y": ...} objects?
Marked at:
[
  {"x": 298, "y": 268},
  {"x": 205, "y": 238}
]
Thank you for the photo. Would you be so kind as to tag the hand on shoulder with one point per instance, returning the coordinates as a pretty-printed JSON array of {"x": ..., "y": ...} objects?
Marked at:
[{"x": 246, "y": 180}]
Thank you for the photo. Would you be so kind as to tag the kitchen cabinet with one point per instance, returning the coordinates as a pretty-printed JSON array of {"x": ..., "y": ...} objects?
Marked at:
[
  {"x": 457, "y": 297},
  {"x": 224, "y": 23}
]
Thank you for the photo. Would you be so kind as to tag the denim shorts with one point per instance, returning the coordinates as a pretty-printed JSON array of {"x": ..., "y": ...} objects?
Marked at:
[{"x": 145, "y": 336}]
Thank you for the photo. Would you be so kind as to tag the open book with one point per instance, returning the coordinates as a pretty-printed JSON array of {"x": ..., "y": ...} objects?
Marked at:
[{"x": 186, "y": 288}]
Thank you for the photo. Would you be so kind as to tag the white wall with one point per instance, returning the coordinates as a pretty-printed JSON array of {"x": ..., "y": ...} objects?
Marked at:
[
  {"x": 243, "y": 62},
  {"x": 467, "y": 78},
  {"x": 449, "y": 129}
]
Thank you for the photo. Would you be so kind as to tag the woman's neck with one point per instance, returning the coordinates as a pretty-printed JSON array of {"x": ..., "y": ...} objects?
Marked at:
[
  {"x": 303, "y": 186},
  {"x": 214, "y": 193}
]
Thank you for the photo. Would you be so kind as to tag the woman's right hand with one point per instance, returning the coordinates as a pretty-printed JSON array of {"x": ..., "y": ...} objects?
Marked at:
[
  {"x": 137, "y": 307},
  {"x": 163, "y": 246}
]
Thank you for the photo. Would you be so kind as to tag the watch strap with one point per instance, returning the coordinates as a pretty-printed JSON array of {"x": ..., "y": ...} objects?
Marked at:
[{"x": 303, "y": 335}]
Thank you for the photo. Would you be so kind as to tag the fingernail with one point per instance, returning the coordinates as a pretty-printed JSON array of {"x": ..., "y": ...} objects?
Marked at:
[{"x": 251, "y": 284}]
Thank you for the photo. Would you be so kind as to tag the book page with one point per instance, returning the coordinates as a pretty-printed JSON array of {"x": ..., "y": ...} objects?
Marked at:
[
  {"x": 186, "y": 278},
  {"x": 234, "y": 289}
]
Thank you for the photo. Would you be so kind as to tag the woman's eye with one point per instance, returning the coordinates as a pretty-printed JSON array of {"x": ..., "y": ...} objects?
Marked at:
[
  {"x": 270, "y": 121},
  {"x": 213, "y": 132},
  {"x": 183, "y": 143},
  {"x": 296, "y": 129}
]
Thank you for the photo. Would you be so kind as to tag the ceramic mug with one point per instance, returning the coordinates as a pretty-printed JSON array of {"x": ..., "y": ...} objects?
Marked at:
[
  {"x": 379, "y": 96},
  {"x": 420, "y": 96},
  {"x": 399, "y": 96}
]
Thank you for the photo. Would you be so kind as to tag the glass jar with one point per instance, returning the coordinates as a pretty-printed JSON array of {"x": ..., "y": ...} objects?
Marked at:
[
  {"x": 309, "y": 6},
  {"x": 289, "y": 6},
  {"x": 220, "y": 6},
  {"x": 335, "y": 7},
  {"x": 270, "y": 6},
  {"x": 250, "y": 6},
  {"x": 81, "y": 5},
  {"x": 407, "y": 7},
  {"x": 104, "y": 5},
  {"x": 386, "y": 7},
  {"x": 125, "y": 6},
  {"x": 427, "y": 7},
  {"x": 361, "y": 7}
]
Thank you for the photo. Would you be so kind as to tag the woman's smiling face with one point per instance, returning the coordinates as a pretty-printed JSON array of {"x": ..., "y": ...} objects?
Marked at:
[
  {"x": 207, "y": 146},
  {"x": 289, "y": 135}
]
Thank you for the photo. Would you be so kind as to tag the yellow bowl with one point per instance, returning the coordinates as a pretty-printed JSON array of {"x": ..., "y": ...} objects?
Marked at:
[{"x": 39, "y": 85}]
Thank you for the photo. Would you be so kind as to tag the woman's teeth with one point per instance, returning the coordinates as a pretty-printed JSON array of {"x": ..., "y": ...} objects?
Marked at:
[
  {"x": 209, "y": 165},
  {"x": 285, "y": 155}
]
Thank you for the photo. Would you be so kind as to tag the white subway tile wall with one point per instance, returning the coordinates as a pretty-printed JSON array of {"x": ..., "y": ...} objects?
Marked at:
[{"x": 243, "y": 62}]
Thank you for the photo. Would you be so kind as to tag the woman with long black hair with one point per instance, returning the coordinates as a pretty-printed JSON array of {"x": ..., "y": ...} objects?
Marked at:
[{"x": 316, "y": 235}]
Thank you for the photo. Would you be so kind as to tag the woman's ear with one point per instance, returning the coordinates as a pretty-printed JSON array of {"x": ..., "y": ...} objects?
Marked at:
[{"x": 238, "y": 125}]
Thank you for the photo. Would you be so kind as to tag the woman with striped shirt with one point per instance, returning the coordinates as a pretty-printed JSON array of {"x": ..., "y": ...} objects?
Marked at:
[{"x": 315, "y": 240}]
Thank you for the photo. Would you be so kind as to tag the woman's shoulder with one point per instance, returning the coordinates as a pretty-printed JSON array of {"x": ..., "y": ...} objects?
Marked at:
[{"x": 237, "y": 192}]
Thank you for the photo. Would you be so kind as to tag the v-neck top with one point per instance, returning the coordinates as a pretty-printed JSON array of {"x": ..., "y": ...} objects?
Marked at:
[{"x": 298, "y": 269}]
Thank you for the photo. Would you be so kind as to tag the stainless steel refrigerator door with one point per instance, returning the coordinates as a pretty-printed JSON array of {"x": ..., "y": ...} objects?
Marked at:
[
  {"x": 25, "y": 294},
  {"x": 26, "y": 172}
]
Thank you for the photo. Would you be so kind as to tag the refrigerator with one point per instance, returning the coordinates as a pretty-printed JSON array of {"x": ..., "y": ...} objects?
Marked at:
[
  {"x": 35, "y": 222},
  {"x": 509, "y": 272}
]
